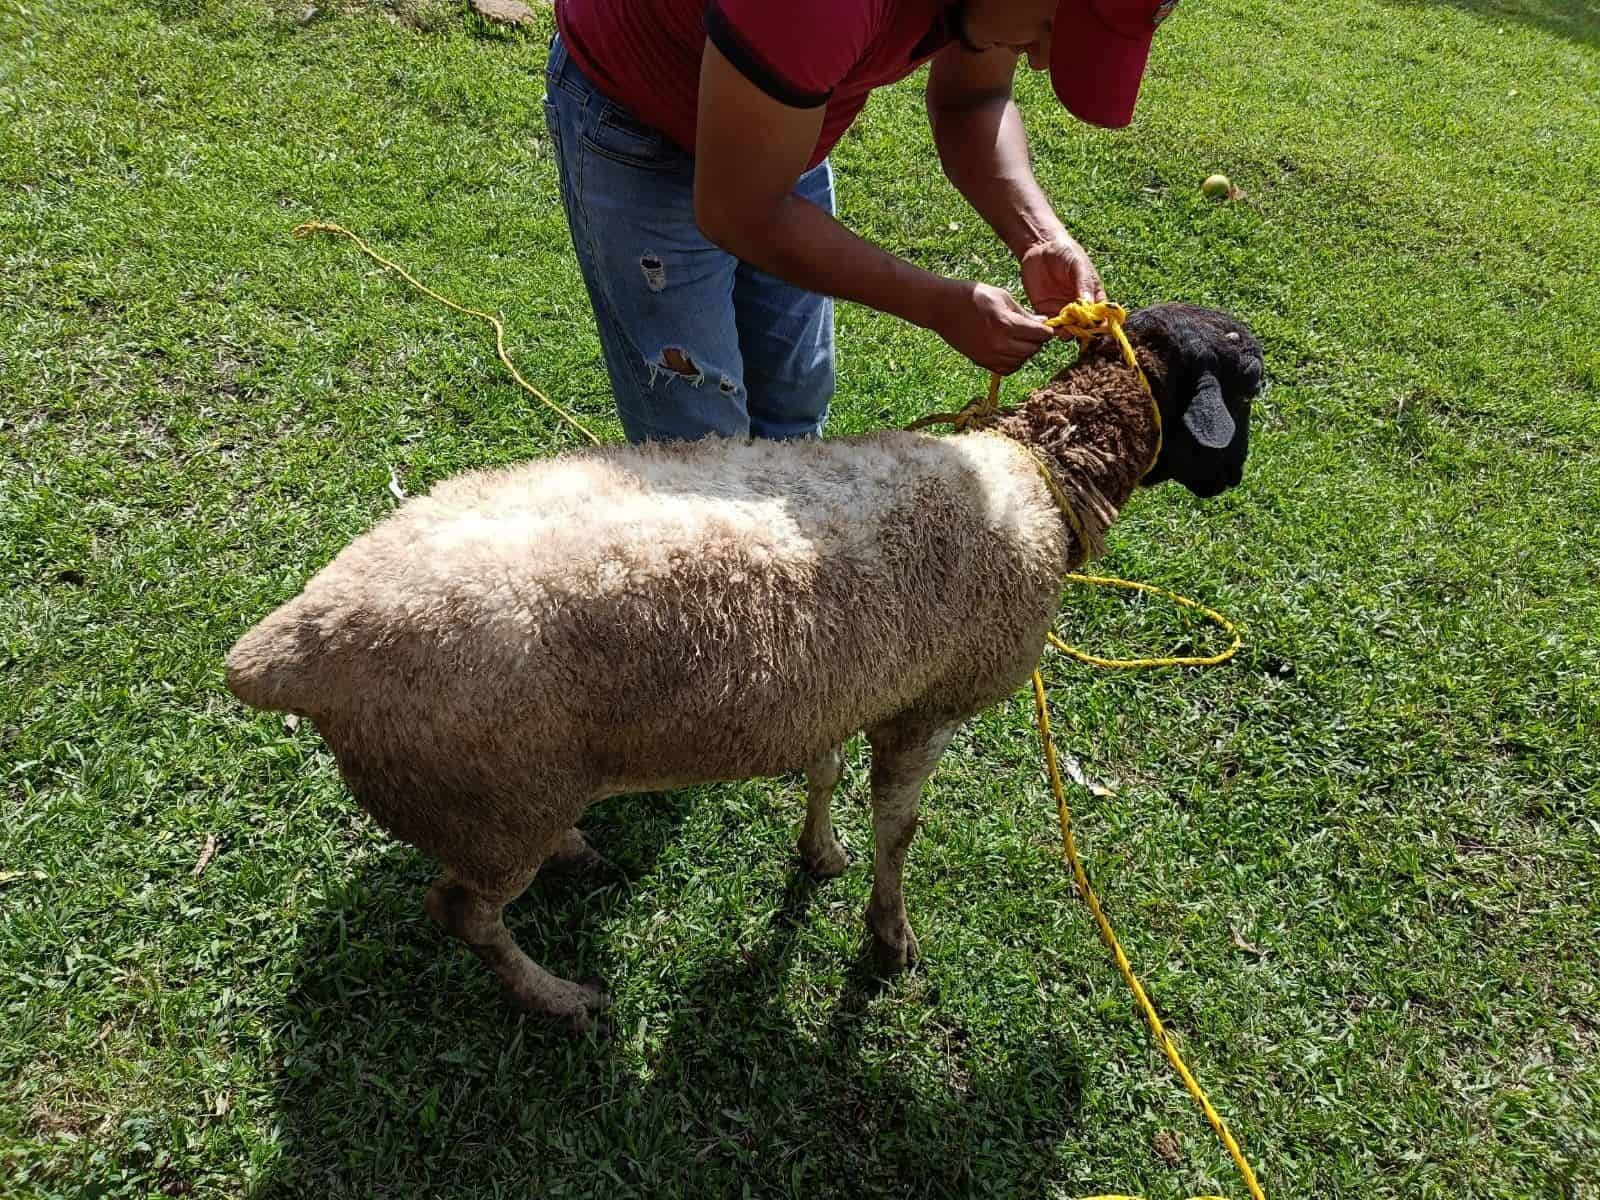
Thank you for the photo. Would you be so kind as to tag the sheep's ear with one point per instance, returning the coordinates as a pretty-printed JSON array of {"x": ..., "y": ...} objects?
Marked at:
[{"x": 1207, "y": 418}]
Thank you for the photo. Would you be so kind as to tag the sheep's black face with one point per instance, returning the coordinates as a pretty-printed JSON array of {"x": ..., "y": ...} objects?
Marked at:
[{"x": 1209, "y": 369}]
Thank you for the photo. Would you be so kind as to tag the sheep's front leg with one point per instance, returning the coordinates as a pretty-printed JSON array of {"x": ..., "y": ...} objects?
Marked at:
[
  {"x": 904, "y": 754},
  {"x": 474, "y": 913},
  {"x": 820, "y": 850}
]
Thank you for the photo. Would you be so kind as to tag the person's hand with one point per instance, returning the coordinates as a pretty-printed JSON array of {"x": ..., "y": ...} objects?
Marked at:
[
  {"x": 988, "y": 326},
  {"x": 1058, "y": 271}
]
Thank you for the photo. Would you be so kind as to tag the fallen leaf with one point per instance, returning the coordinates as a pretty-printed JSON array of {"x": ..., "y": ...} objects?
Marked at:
[
  {"x": 512, "y": 12},
  {"x": 1075, "y": 772},
  {"x": 207, "y": 853},
  {"x": 291, "y": 721},
  {"x": 220, "y": 1109},
  {"x": 395, "y": 490},
  {"x": 8, "y": 876},
  {"x": 1249, "y": 948},
  {"x": 1166, "y": 1143}
]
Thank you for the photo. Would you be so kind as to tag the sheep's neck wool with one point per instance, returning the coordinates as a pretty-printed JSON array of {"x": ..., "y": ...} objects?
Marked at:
[{"x": 1094, "y": 427}]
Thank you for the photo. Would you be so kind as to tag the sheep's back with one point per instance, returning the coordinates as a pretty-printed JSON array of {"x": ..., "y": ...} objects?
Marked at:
[{"x": 691, "y": 612}]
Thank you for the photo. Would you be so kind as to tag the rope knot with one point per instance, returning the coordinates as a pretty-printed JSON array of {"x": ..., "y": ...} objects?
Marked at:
[{"x": 1084, "y": 319}]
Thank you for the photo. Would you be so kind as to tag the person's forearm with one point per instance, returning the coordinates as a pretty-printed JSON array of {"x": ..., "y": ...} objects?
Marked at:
[
  {"x": 802, "y": 245},
  {"x": 984, "y": 151}
]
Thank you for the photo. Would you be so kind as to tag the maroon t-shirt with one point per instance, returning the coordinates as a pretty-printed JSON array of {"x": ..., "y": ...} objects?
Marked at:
[{"x": 645, "y": 54}]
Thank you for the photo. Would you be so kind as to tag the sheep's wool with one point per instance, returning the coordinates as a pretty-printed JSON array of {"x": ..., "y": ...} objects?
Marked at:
[{"x": 505, "y": 650}]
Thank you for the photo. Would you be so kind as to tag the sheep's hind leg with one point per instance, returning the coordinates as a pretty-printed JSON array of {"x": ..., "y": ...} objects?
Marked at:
[
  {"x": 572, "y": 852},
  {"x": 476, "y": 916},
  {"x": 820, "y": 850},
  {"x": 904, "y": 754}
]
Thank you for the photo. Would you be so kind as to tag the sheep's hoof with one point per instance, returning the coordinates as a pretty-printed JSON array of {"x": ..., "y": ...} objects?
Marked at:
[
  {"x": 572, "y": 1004},
  {"x": 894, "y": 946},
  {"x": 828, "y": 862},
  {"x": 595, "y": 1001}
]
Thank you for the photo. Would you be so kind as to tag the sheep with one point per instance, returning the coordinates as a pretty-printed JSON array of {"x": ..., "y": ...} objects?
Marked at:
[{"x": 499, "y": 654}]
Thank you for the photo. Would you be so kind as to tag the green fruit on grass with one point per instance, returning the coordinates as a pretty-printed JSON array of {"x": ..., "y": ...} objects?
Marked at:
[{"x": 1216, "y": 185}]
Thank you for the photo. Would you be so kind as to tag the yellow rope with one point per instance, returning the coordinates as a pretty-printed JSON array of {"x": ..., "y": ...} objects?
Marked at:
[
  {"x": 1093, "y": 660},
  {"x": 311, "y": 227},
  {"x": 1083, "y": 321},
  {"x": 1108, "y": 935},
  {"x": 974, "y": 416}
]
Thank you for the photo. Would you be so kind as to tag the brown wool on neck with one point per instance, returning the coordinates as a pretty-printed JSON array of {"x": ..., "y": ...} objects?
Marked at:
[{"x": 1093, "y": 425}]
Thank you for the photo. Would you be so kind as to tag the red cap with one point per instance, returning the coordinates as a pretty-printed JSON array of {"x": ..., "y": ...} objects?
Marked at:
[{"x": 1097, "y": 55}]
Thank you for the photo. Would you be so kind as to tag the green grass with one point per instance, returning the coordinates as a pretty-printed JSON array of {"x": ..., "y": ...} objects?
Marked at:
[{"x": 1357, "y": 866}]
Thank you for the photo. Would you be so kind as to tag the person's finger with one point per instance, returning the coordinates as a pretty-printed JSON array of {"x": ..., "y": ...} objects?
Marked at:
[
  {"x": 1004, "y": 360},
  {"x": 1031, "y": 329},
  {"x": 1033, "y": 348},
  {"x": 1020, "y": 352},
  {"x": 1036, "y": 334}
]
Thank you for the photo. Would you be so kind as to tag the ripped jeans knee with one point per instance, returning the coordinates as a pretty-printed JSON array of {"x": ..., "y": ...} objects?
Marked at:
[{"x": 676, "y": 361}]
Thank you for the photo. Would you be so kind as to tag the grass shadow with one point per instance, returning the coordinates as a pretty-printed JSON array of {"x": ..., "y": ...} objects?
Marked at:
[{"x": 404, "y": 1072}]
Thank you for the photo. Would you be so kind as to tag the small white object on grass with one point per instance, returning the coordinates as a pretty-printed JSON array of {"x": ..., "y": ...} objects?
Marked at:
[
  {"x": 208, "y": 851},
  {"x": 1076, "y": 773},
  {"x": 395, "y": 490}
]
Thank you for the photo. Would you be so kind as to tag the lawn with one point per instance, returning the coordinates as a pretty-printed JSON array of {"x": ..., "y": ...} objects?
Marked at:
[{"x": 1357, "y": 866}]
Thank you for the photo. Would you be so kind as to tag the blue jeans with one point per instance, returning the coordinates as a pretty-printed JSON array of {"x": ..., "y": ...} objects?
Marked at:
[{"x": 696, "y": 342}]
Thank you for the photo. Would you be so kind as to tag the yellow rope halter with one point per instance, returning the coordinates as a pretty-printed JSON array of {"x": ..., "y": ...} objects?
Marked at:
[{"x": 1082, "y": 321}]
